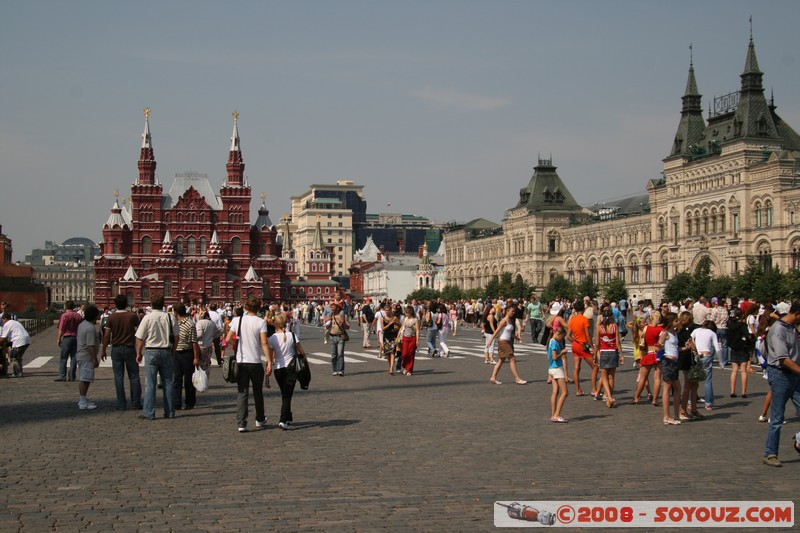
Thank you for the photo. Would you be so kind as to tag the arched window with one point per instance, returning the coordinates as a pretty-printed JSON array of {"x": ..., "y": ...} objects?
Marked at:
[
  {"x": 179, "y": 246},
  {"x": 768, "y": 209},
  {"x": 215, "y": 288},
  {"x": 202, "y": 245},
  {"x": 115, "y": 246},
  {"x": 237, "y": 294},
  {"x": 758, "y": 215},
  {"x": 190, "y": 246},
  {"x": 167, "y": 287},
  {"x": 146, "y": 245},
  {"x": 236, "y": 247}
]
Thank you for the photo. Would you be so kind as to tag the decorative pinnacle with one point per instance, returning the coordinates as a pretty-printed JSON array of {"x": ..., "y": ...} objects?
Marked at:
[
  {"x": 116, "y": 193},
  {"x": 235, "y": 117},
  {"x": 146, "y": 112},
  {"x": 751, "y": 27},
  {"x": 691, "y": 57},
  {"x": 263, "y": 196}
]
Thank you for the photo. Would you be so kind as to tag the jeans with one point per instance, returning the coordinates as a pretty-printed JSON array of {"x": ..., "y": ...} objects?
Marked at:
[
  {"x": 722, "y": 337},
  {"x": 123, "y": 358},
  {"x": 250, "y": 374},
  {"x": 15, "y": 358},
  {"x": 69, "y": 347},
  {"x": 443, "y": 341},
  {"x": 286, "y": 381},
  {"x": 158, "y": 361},
  {"x": 537, "y": 325},
  {"x": 184, "y": 368},
  {"x": 337, "y": 353},
  {"x": 785, "y": 386},
  {"x": 708, "y": 365},
  {"x": 430, "y": 338}
]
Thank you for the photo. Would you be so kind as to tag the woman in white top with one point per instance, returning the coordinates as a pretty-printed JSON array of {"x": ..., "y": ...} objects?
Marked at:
[
  {"x": 506, "y": 333},
  {"x": 247, "y": 336},
  {"x": 282, "y": 347},
  {"x": 705, "y": 342}
]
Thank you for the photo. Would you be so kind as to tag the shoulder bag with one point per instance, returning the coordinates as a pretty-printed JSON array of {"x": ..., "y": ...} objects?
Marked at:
[
  {"x": 696, "y": 372},
  {"x": 230, "y": 368}
]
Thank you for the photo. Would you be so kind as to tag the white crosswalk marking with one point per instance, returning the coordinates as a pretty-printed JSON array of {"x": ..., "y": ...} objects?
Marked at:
[
  {"x": 346, "y": 358},
  {"x": 39, "y": 362}
]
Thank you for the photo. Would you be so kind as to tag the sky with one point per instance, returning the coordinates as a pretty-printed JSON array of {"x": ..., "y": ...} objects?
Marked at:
[{"x": 439, "y": 108}]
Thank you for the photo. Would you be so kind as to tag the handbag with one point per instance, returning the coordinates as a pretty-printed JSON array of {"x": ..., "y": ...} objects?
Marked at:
[
  {"x": 200, "y": 379},
  {"x": 299, "y": 365},
  {"x": 696, "y": 372},
  {"x": 230, "y": 368},
  {"x": 549, "y": 322}
]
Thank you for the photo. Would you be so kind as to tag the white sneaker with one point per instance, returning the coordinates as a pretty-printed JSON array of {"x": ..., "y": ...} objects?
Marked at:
[
  {"x": 762, "y": 418},
  {"x": 87, "y": 405},
  {"x": 283, "y": 425},
  {"x": 243, "y": 430},
  {"x": 261, "y": 425}
]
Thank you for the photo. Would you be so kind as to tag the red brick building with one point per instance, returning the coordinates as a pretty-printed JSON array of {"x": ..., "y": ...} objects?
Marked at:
[
  {"x": 17, "y": 285},
  {"x": 189, "y": 243}
]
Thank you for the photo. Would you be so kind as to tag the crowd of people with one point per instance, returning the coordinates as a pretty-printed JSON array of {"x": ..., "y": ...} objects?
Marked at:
[{"x": 675, "y": 347}]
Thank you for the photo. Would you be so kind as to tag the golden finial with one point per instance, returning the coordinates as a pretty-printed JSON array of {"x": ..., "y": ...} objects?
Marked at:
[
  {"x": 235, "y": 117},
  {"x": 146, "y": 112},
  {"x": 263, "y": 196},
  {"x": 116, "y": 193}
]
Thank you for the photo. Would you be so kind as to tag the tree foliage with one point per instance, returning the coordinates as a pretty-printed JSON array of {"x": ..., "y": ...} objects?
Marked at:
[
  {"x": 424, "y": 294},
  {"x": 451, "y": 293},
  {"x": 679, "y": 287},
  {"x": 615, "y": 290},
  {"x": 587, "y": 287},
  {"x": 558, "y": 286},
  {"x": 701, "y": 281}
]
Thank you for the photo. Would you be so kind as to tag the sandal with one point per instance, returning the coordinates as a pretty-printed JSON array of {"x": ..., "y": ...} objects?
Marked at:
[
  {"x": 611, "y": 402},
  {"x": 521, "y": 382},
  {"x": 671, "y": 422},
  {"x": 495, "y": 382},
  {"x": 559, "y": 420}
]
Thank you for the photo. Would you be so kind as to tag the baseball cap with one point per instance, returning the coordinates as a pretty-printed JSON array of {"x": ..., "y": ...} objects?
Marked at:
[
  {"x": 782, "y": 308},
  {"x": 714, "y": 300}
]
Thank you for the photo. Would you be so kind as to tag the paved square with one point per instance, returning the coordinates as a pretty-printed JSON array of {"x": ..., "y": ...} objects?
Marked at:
[{"x": 368, "y": 451}]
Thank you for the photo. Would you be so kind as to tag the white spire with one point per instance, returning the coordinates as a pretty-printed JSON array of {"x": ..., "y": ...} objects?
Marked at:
[
  {"x": 214, "y": 239},
  {"x": 251, "y": 275},
  {"x": 167, "y": 238},
  {"x": 235, "y": 135},
  {"x": 130, "y": 274},
  {"x": 146, "y": 138}
]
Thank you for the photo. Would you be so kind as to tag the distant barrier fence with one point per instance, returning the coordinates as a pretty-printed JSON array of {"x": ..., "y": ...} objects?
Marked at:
[{"x": 36, "y": 325}]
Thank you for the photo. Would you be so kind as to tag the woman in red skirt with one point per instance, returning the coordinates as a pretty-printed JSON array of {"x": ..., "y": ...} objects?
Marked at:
[{"x": 410, "y": 340}]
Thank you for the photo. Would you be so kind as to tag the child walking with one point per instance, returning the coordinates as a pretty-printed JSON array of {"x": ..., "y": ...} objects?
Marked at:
[{"x": 556, "y": 351}]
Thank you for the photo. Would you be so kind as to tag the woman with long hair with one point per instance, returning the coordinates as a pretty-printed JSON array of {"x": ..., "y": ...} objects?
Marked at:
[
  {"x": 685, "y": 357},
  {"x": 752, "y": 329},
  {"x": 506, "y": 334},
  {"x": 669, "y": 368},
  {"x": 649, "y": 361},
  {"x": 410, "y": 340},
  {"x": 488, "y": 326},
  {"x": 608, "y": 350},
  {"x": 283, "y": 347},
  {"x": 390, "y": 325},
  {"x": 738, "y": 341}
]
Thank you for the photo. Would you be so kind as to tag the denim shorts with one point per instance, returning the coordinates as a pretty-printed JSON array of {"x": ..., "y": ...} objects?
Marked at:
[
  {"x": 669, "y": 369},
  {"x": 609, "y": 359}
]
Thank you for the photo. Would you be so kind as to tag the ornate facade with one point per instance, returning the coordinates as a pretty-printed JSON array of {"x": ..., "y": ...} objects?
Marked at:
[
  {"x": 730, "y": 190},
  {"x": 190, "y": 243}
]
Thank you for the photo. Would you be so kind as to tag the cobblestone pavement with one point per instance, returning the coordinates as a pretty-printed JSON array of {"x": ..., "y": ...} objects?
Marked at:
[{"x": 368, "y": 451}]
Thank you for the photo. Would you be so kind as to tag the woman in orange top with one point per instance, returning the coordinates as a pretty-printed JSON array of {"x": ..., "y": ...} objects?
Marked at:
[{"x": 582, "y": 348}]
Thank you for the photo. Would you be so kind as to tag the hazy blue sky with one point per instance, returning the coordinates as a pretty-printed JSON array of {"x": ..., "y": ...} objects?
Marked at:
[{"x": 439, "y": 107}]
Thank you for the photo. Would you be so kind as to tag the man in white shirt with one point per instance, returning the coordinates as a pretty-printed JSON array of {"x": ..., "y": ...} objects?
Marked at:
[
  {"x": 14, "y": 334},
  {"x": 156, "y": 339}
]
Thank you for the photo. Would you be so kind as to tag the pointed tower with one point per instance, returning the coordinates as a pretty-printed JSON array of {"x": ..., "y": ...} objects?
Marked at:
[
  {"x": 691, "y": 125},
  {"x": 116, "y": 232},
  {"x": 546, "y": 191},
  {"x": 318, "y": 258},
  {"x": 235, "y": 164},
  {"x": 424, "y": 269},
  {"x": 753, "y": 117},
  {"x": 234, "y": 218},
  {"x": 147, "y": 161}
]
